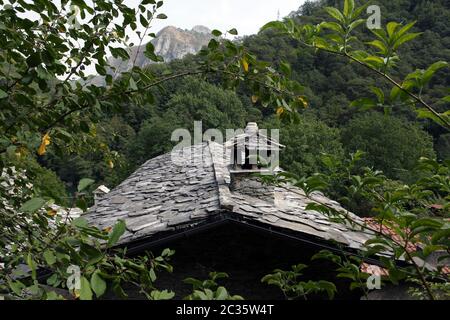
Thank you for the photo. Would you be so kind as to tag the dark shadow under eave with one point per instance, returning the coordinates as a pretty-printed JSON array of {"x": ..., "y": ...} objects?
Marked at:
[{"x": 246, "y": 255}]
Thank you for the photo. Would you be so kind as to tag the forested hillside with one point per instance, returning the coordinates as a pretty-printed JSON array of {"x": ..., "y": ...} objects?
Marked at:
[{"x": 393, "y": 139}]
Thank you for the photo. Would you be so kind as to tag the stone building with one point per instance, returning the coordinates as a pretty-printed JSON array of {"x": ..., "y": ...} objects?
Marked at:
[{"x": 206, "y": 202}]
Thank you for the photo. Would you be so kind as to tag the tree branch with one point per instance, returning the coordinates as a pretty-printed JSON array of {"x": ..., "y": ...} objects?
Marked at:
[{"x": 388, "y": 78}]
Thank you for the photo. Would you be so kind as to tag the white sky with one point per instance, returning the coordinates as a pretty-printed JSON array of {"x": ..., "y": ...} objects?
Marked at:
[{"x": 247, "y": 16}]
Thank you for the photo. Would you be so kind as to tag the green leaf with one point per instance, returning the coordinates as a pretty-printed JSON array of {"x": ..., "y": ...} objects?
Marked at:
[
  {"x": 424, "y": 113},
  {"x": 335, "y": 13},
  {"x": 332, "y": 26},
  {"x": 432, "y": 70},
  {"x": 34, "y": 60},
  {"x": 80, "y": 222},
  {"x": 329, "y": 287},
  {"x": 233, "y": 32},
  {"x": 381, "y": 34},
  {"x": 33, "y": 205},
  {"x": 100, "y": 69},
  {"x": 285, "y": 69},
  {"x": 150, "y": 52},
  {"x": 277, "y": 25},
  {"x": 364, "y": 103},
  {"x": 161, "y": 16},
  {"x": 90, "y": 253},
  {"x": 216, "y": 33},
  {"x": 432, "y": 248},
  {"x": 98, "y": 285},
  {"x": 395, "y": 93},
  {"x": 84, "y": 183},
  {"x": 379, "y": 93},
  {"x": 349, "y": 5},
  {"x": 152, "y": 275},
  {"x": 16, "y": 287},
  {"x": 162, "y": 295},
  {"x": 49, "y": 257},
  {"x": 374, "y": 60},
  {"x": 391, "y": 27},
  {"x": 194, "y": 282},
  {"x": 443, "y": 234},
  {"x": 405, "y": 29},
  {"x": 116, "y": 233},
  {"x": 357, "y": 12},
  {"x": 327, "y": 255},
  {"x": 355, "y": 24},
  {"x": 213, "y": 44},
  {"x": 221, "y": 293},
  {"x": 143, "y": 21},
  {"x": 167, "y": 252},
  {"x": 405, "y": 38},
  {"x": 321, "y": 43},
  {"x": 3, "y": 94},
  {"x": 85, "y": 289},
  {"x": 427, "y": 222},
  {"x": 32, "y": 265},
  {"x": 132, "y": 84},
  {"x": 379, "y": 45}
]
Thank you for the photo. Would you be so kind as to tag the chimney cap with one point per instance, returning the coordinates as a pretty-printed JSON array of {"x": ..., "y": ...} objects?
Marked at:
[{"x": 102, "y": 190}]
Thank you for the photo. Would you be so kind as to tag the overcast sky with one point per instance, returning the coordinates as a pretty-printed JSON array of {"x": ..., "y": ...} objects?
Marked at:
[{"x": 245, "y": 15}]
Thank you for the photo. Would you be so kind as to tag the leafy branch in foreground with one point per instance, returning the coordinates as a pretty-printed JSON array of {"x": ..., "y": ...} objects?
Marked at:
[
  {"x": 61, "y": 251},
  {"x": 405, "y": 225},
  {"x": 291, "y": 286},
  {"x": 348, "y": 267},
  {"x": 47, "y": 99},
  {"x": 209, "y": 289},
  {"x": 48, "y": 104},
  {"x": 336, "y": 37}
]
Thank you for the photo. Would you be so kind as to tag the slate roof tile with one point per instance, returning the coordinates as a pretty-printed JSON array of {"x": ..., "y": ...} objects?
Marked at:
[{"x": 163, "y": 196}]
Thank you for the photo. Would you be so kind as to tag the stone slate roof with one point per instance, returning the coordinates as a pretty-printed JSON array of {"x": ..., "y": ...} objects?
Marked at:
[{"x": 163, "y": 195}]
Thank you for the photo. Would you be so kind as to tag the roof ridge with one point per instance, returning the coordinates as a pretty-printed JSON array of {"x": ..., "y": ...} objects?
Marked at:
[{"x": 222, "y": 179}]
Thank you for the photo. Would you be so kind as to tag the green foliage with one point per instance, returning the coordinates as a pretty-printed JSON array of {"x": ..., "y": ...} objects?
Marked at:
[
  {"x": 291, "y": 286},
  {"x": 117, "y": 232},
  {"x": 443, "y": 147},
  {"x": 329, "y": 75},
  {"x": 440, "y": 290},
  {"x": 390, "y": 144},
  {"x": 348, "y": 267},
  {"x": 415, "y": 214},
  {"x": 142, "y": 130},
  {"x": 34, "y": 233},
  {"x": 338, "y": 38},
  {"x": 305, "y": 141},
  {"x": 209, "y": 289},
  {"x": 45, "y": 106},
  {"x": 84, "y": 183},
  {"x": 45, "y": 181}
]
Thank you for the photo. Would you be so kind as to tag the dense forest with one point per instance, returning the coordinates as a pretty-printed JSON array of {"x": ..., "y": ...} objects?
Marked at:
[{"x": 393, "y": 139}]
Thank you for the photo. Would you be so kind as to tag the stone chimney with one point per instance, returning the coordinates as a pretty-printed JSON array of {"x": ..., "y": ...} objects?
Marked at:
[
  {"x": 100, "y": 192},
  {"x": 253, "y": 154}
]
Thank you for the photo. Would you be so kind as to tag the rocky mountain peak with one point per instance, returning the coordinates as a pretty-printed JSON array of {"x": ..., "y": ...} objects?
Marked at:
[
  {"x": 171, "y": 43},
  {"x": 201, "y": 29}
]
